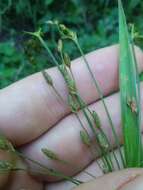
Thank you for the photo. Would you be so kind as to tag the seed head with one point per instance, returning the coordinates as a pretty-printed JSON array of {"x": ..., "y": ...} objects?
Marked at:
[
  {"x": 50, "y": 154},
  {"x": 73, "y": 104},
  {"x": 96, "y": 119},
  {"x": 72, "y": 87},
  {"x": 62, "y": 69},
  {"x": 67, "y": 33},
  {"x": 67, "y": 60},
  {"x": 47, "y": 78},
  {"x": 102, "y": 141},
  {"x": 85, "y": 138}
]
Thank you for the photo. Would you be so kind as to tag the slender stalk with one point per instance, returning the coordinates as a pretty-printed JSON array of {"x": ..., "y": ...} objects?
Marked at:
[
  {"x": 102, "y": 99},
  {"x": 38, "y": 35},
  {"x": 108, "y": 142},
  {"x": 66, "y": 80},
  {"x": 76, "y": 114},
  {"x": 95, "y": 133},
  {"x": 50, "y": 171},
  {"x": 78, "y": 118},
  {"x": 116, "y": 160},
  {"x": 67, "y": 34},
  {"x": 49, "y": 51},
  {"x": 110, "y": 165}
]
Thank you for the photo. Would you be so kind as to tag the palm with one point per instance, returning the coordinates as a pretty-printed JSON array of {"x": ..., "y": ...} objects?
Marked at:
[{"x": 33, "y": 117}]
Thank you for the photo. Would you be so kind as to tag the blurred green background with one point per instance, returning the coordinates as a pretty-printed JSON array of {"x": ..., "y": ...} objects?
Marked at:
[{"x": 96, "y": 22}]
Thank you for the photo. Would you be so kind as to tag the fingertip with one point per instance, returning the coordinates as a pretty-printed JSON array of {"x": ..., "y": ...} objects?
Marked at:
[
  {"x": 121, "y": 180},
  {"x": 134, "y": 184}
]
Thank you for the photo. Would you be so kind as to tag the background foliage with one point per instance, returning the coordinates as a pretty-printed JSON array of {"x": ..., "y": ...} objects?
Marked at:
[{"x": 95, "y": 21}]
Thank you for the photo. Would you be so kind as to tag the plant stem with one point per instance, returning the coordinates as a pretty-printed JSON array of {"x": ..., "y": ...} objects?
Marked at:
[
  {"x": 50, "y": 171},
  {"x": 89, "y": 122},
  {"x": 110, "y": 165},
  {"x": 48, "y": 50},
  {"x": 109, "y": 144},
  {"x": 102, "y": 99}
]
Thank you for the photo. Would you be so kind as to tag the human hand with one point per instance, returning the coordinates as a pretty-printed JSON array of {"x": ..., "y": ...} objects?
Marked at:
[{"x": 33, "y": 117}]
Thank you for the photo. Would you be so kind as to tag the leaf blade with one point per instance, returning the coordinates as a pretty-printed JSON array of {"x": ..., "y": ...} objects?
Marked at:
[{"x": 129, "y": 94}]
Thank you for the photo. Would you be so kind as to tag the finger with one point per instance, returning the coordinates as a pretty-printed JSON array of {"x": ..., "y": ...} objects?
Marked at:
[
  {"x": 21, "y": 179},
  {"x": 94, "y": 169},
  {"x": 121, "y": 180},
  {"x": 136, "y": 183},
  {"x": 64, "y": 139},
  {"x": 4, "y": 176},
  {"x": 30, "y": 107}
]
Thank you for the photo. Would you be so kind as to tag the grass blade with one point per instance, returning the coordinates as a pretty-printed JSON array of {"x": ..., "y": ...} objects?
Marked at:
[{"x": 130, "y": 96}]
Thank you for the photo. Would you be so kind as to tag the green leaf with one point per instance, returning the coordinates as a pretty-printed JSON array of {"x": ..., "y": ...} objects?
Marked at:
[{"x": 129, "y": 92}]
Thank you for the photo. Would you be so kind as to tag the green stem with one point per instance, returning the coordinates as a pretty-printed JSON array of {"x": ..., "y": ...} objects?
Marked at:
[
  {"x": 102, "y": 99},
  {"x": 78, "y": 118},
  {"x": 50, "y": 171},
  {"x": 109, "y": 144},
  {"x": 56, "y": 63},
  {"x": 58, "y": 94},
  {"x": 92, "y": 129},
  {"x": 110, "y": 164},
  {"x": 48, "y": 50}
]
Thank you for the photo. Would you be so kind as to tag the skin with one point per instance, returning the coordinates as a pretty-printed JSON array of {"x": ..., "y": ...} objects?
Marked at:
[{"x": 33, "y": 117}]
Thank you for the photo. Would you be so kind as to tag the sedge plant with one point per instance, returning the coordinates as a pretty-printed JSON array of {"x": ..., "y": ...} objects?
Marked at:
[{"x": 130, "y": 152}]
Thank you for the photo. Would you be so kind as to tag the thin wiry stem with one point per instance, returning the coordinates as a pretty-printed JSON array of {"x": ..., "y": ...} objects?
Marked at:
[
  {"x": 109, "y": 144},
  {"x": 102, "y": 99},
  {"x": 76, "y": 114},
  {"x": 114, "y": 155},
  {"x": 49, "y": 170},
  {"x": 110, "y": 165},
  {"x": 55, "y": 61},
  {"x": 90, "y": 124},
  {"x": 49, "y": 51}
]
